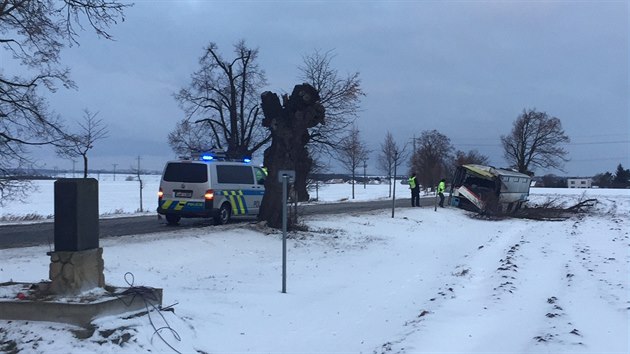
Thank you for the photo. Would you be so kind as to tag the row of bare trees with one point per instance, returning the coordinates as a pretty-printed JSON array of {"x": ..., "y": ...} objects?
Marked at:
[
  {"x": 222, "y": 110},
  {"x": 535, "y": 141}
]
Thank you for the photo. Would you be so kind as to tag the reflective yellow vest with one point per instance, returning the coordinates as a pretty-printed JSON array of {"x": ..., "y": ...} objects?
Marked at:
[{"x": 412, "y": 182}]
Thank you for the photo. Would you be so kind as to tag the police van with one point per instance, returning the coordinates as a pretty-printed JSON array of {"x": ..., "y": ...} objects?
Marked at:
[{"x": 210, "y": 186}]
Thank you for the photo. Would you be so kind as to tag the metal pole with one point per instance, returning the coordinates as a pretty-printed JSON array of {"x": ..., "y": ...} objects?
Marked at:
[
  {"x": 285, "y": 180},
  {"x": 394, "y": 182},
  {"x": 364, "y": 175},
  {"x": 435, "y": 202},
  {"x": 140, "y": 180}
]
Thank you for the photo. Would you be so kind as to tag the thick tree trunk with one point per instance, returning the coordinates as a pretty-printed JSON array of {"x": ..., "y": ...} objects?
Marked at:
[{"x": 289, "y": 125}]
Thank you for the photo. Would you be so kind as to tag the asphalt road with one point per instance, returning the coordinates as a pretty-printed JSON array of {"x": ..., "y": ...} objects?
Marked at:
[{"x": 24, "y": 235}]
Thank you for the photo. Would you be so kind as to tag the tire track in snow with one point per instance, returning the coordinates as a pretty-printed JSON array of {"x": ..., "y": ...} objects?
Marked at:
[{"x": 488, "y": 273}]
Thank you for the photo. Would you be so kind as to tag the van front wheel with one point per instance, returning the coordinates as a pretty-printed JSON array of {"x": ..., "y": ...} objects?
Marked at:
[{"x": 223, "y": 216}]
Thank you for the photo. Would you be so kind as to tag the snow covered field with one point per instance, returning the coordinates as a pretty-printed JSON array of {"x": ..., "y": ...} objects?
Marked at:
[
  {"x": 122, "y": 197},
  {"x": 422, "y": 282}
]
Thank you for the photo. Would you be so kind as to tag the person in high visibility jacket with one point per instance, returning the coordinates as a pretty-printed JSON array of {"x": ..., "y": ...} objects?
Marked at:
[
  {"x": 440, "y": 190},
  {"x": 415, "y": 190}
]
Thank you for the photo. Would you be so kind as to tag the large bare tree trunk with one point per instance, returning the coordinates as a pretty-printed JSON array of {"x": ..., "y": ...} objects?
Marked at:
[{"x": 289, "y": 124}]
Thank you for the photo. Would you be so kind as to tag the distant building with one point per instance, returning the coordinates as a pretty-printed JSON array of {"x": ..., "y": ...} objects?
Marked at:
[{"x": 579, "y": 183}]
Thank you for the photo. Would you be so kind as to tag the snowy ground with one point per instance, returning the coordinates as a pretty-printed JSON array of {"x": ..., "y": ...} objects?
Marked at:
[{"x": 423, "y": 281}]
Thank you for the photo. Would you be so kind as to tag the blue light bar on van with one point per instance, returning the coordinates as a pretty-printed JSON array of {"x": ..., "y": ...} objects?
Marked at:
[{"x": 220, "y": 156}]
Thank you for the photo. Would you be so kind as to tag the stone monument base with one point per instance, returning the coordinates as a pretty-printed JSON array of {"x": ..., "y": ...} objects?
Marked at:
[
  {"x": 73, "y": 272},
  {"x": 34, "y": 302}
]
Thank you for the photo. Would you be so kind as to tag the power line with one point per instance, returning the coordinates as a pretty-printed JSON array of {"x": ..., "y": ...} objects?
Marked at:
[
  {"x": 476, "y": 144},
  {"x": 622, "y": 135},
  {"x": 572, "y": 144},
  {"x": 602, "y": 159},
  {"x": 602, "y": 142}
]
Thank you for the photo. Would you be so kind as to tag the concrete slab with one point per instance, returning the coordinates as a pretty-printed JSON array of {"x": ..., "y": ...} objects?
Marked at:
[{"x": 33, "y": 302}]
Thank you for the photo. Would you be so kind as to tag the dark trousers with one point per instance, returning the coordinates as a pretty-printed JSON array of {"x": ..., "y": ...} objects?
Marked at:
[
  {"x": 441, "y": 199},
  {"x": 415, "y": 198}
]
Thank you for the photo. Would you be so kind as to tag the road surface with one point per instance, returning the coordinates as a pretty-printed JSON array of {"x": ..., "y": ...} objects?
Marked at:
[{"x": 24, "y": 235}]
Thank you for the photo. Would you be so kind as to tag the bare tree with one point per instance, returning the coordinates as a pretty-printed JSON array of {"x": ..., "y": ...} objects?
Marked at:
[
  {"x": 390, "y": 157},
  {"x": 312, "y": 183},
  {"x": 352, "y": 152},
  {"x": 340, "y": 96},
  {"x": 535, "y": 141},
  {"x": 225, "y": 95},
  {"x": 32, "y": 35},
  {"x": 190, "y": 137},
  {"x": 471, "y": 157},
  {"x": 78, "y": 145},
  {"x": 432, "y": 158}
]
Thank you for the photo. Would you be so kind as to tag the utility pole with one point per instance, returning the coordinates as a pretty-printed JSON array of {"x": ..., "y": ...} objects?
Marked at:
[
  {"x": 73, "y": 165},
  {"x": 364, "y": 174},
  {"x": 140, "y": 180},
  {"x": 115, "y": 164},
  {"x": 414, "y": 144}
]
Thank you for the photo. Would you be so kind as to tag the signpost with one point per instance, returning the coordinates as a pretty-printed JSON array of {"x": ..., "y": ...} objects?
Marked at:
[
  {"x": 286, "y": 177},
  {"x": 394, "y": 182},
  {"x": 435, "y": 202}
]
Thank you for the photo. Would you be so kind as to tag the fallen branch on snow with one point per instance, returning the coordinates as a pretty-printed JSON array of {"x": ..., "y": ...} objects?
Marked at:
[{"x": 550, "y": 212}]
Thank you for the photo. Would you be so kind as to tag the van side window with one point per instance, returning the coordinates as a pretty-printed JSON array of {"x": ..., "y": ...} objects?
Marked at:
[
  {"x": 186, "y": 172},
  {"x": 235, "y": 174}
]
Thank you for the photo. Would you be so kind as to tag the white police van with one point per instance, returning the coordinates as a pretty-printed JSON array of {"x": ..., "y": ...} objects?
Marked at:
[{"x": 210, "y": 187}]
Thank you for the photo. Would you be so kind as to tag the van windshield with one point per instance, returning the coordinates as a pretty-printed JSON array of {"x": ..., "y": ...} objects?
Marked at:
[{"x": 186, "y": 172}]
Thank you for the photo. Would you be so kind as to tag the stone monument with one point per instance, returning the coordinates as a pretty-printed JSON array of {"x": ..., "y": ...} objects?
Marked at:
[
  {"x": 76, "y": 265},
  {"x": 76, "y": 268}
]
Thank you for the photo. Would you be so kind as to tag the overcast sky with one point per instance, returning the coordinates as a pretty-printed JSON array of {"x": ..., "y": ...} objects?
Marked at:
[{"x": 465, "y": 68}]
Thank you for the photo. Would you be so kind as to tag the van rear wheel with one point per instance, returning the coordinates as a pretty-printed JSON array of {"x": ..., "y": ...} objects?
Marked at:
[
  {"x": 173, "y": 219},
  {"x": 224, "y": 214}
]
